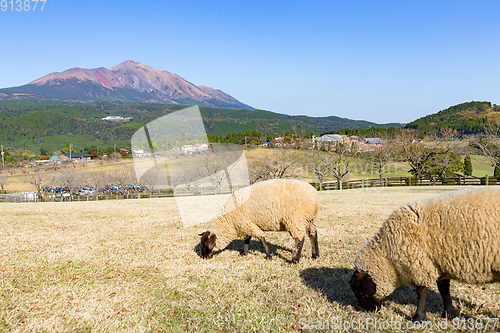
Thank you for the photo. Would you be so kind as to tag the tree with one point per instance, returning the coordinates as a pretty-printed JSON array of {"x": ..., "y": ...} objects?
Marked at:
[
  {"x": 98, "y": 180},
  {"x": 124, "y": 176},
  {"x": 70, "y": 179},
  {"x": 380, "y": 158},
  {"x": 316, "y": 165},
  {"x": 489, "y": 143},
  {"x": 339, "y": 159},
  {"x": 419, "y": 157},
  {"x": 496, "y": 172},
  {"x": 38, "y": 181},
  {"x": 155, "y": 177},
  {"x": 467, "y": 166},
  {"x": 4, "y": 180},
  {"x": 275, "y": 165},
  {"x": 68, "y": 147},
  {"x": 444, "y": 164}
]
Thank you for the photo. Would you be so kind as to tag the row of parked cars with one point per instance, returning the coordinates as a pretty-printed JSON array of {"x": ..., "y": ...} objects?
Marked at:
[{"x": 87, "y": 190}]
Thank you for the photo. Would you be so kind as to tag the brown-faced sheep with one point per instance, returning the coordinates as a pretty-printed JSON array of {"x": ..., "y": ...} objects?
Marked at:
[
  {"x": 452, "y": 236},
  {"x": 272, "y": 205}
]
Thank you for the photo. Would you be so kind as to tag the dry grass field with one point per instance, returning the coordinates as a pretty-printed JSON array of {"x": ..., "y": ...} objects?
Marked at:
[{"x": 130, "y": 266}]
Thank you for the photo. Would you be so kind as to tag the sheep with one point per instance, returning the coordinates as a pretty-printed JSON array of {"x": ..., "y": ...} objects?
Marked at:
[
  {"x": 272, "y": 205},
  {"x": 452, "y": 236}
]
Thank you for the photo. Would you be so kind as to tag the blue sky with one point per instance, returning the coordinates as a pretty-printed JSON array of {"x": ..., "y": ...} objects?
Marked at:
[{"x": 382, "y": 61}]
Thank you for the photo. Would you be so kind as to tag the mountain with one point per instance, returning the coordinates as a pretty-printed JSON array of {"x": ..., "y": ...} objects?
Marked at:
[
  {"x": 36, "y": 125},
  {"x": 467, "y": 118},
  {"x": 130, "y": 81}
]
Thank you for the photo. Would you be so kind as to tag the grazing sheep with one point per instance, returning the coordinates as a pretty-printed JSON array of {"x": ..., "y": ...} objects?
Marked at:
[
  {"x": 452, "y": 236},
  {"x": 272, "y": 205}
]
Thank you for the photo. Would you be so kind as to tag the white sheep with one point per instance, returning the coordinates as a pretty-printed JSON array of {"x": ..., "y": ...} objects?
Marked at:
[
  {"x": 272, "y": 205},
  {"x": 454, "y": 236}
]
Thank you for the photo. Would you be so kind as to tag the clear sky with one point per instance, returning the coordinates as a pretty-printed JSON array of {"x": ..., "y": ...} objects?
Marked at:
[{"x": 382, "y": 61}]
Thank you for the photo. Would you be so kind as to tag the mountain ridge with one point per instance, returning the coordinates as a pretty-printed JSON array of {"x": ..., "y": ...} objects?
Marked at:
[{"x": 129, "y": 81}]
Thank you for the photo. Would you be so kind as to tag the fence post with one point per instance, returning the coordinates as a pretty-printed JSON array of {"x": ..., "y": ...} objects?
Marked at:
[{"x": 487, "y": 180}]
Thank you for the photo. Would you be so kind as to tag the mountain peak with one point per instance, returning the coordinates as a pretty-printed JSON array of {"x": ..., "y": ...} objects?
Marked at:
[{"x": 129, "y": 81}]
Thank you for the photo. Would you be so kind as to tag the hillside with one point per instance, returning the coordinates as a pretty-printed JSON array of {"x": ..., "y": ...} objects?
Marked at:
[
  {"x": 467, "y": 118},
  {"x": 35, "y": 125}
]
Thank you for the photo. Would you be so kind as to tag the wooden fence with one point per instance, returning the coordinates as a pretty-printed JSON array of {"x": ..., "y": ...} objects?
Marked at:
[
  {"x": 407, "y": 181},
  {"x": 459, "y": 180},
  {"x": 51, "y": 197}
]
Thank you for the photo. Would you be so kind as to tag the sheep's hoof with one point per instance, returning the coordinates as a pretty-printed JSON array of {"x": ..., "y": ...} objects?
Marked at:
[
  {"x": 315, "y": 257},
  {"x": 269, "y": 257},
  {"x": 243, "y": 253},
  {"x": 419, "y": 318},
  {"x": 450, "y": 315}
]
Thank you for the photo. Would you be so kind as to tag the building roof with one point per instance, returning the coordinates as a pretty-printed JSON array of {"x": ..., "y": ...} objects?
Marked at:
[
  {"x": 330, "y": 137},
  {"x": 374, "y": 141},
  {"x": 54, "y": 158},
  {"x": 77, "y": 155}
]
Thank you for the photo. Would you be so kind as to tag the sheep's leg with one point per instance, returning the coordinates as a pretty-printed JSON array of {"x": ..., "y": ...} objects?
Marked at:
[
  {"x": 314, "y": 244},
  {"x": 266, "y": 247},
  {"x": 298, "y": 250},
  {"x": 444, "y": 290},
  {"x": 245, "y": 247},
  {"x": 422, "y": 304}
]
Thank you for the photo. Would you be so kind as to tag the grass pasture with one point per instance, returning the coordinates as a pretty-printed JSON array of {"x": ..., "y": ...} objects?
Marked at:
[{"x": 130, "y": 266}]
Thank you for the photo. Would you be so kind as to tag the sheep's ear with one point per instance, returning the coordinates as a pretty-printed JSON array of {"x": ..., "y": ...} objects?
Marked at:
[
  {"x": 355, "y": 281},
  {"x": 212, "y": 239},
  {"x": 368, "y": 287},
  {"x": 363, "y": 283}
]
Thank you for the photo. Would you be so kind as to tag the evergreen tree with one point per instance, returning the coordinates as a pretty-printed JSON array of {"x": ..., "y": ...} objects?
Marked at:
[
  {"x": 496, "y": 173},
  {"x": 467, "y": 166}
]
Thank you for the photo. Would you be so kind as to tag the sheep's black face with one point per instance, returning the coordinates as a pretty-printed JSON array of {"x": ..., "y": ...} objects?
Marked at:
[
  {"x": 207, "y": 244},
  {"x": 364, "y": 289}
]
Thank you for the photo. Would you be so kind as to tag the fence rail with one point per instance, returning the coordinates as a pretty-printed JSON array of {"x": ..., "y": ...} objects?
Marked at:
[
  {"x": 458, "y": 180},
  {"x": 407, "y": 181},
  {"x": 44, "y": 197},
  {"x": 51, "y": 197}
]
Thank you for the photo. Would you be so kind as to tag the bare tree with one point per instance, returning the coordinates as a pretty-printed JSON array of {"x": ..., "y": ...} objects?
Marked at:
[
  {"x": 70, "y": 179},
  {"x": 415, "y": 153},
  {"x": 278, "y": 164},
  {"x": 339, "y": 159},
  {"x": 125, "y": 176},
  {"x": 216, "y": 172},
  {"x": 152, "y": 178},
  {"x": 489, "y": 143},
  {"x": 38, "y": 181},
  {"x": 381, "y": 157},
  {"x": 98, "y": 180},
  {"x": 191, "y": 179},
  {"x": 11, "y": 168},
  {"x": 216, "y": 165},
  {"x": 4, "y": 180},
  {"x": 315, "y": 164}
]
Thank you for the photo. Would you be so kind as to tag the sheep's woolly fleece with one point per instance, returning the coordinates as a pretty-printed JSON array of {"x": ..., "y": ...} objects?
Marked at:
[
  {"x": 272, "y": 205},
  {"x": 454, "y": 235}
]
